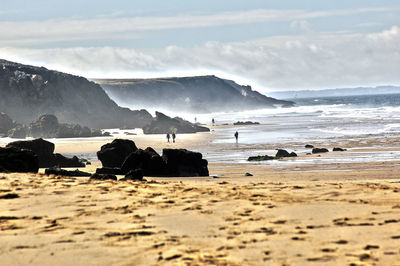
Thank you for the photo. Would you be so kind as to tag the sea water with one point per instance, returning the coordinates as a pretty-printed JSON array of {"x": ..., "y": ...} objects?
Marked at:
[
  {"x": 313, "y": 119},
  {"x": 326, "y": 120}
]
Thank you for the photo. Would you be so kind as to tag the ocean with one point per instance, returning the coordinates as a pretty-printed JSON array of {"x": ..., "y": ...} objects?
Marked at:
[{"x": 323, "y": 120}]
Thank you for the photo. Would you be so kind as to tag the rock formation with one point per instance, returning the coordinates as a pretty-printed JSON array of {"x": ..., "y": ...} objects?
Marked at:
[
  {"x": 44, "y": 151},
  {"x": 202, "y": 94},
  {"x": 13, "y": 159},
  {"x": 173, "y": 162},
  {"x": 163, "y": 124},
  {"x": 27, "y": 92}
]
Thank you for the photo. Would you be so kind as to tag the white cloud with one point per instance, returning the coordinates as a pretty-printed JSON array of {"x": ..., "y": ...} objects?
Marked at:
[
  {"x": 324, "y": 60},
  {"x": 17, "y": 33}
]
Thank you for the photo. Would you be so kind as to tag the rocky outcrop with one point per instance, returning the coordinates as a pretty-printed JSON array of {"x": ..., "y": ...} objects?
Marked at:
[
  {"x": 44, "y": 150},
  {"x": 202, "y": 94},
  {"x": 27, "y": 92},
  {"x": 338, "y": 149},
  {"x": 284, "y": 153},
  {"x": 6, "y": 123},
  {"x": 148, "y": 160},
  {"x": 279, "y": 155},
  {"x": 319, "y": 150},
  {"x": 13, "y": 159},
  {"x": 181, "y": 162},
  {"x": 163, "y": 124},
  {"x": 18, "y": 132},
  {"x": 173, "y": 162},
  {"x": 47, "y": 126},
  {"x": 62, "y": 172},
  {"x": 113, "y": 154},
  {"x": 242, "y": 123}
]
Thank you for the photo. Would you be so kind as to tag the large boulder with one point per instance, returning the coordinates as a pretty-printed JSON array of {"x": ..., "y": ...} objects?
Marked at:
[
  {"x": 181, "y": 162},
  {"x": 6, "y": 123},
  {"x": 44, "y": 150},
  {"x": 285, "y": 153},
  {"x": 319, "y": 150},
  {"x": 13, "y": 159},
  {"x": 163, "y": 124},
  {"x": 113, "y": 154},
  {"x": 45, "y": 126},
  {"x": 148, "y": 160}
]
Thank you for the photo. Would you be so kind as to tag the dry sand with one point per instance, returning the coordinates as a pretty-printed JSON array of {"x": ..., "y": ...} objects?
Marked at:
[{"x": 327, "y": 214}]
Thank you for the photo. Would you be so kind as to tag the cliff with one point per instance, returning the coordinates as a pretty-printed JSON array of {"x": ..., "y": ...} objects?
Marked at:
[
  {"x": 27, "y": 92},
  {"x": 202, "y": 94}
]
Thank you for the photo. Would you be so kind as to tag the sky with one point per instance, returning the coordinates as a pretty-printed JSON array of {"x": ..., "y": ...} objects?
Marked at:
[{"x": 271, "y": 45}]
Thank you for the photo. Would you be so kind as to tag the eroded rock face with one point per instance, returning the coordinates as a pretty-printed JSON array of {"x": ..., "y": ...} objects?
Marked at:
[
  {"x": 6, "y": 123},
  {"x": 113, "y": 154},
  {"x": 13, "y": 159},
  {"x": 163, "y": 124},
  {"x": 201, "y": 94},
  {"x": 45, "y": 126},
  {"x": 29, "y": 91}
]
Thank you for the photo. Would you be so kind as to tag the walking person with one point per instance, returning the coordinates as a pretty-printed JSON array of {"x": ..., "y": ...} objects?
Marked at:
[
  {"x": 168, "y": 137},
  {"x": 213, "y": 121},
  {"x": 173, "y": 137},
  {"x": 236, "y": 136}
]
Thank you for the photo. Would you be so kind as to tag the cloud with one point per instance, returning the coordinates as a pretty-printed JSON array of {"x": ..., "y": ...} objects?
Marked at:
[
  {"x": 323, "y": 60},
  {"x": 20, "y": 33}
]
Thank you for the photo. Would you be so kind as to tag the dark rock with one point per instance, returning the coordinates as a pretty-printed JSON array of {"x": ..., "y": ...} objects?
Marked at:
[
  {"x": 13, "y": 159},
  {"x": 6, "y": 123},
  {"x": 9, "y": 196},
  {"x": 284, "y": 153},
  {"x": 62, "y": 161},
  {"x": 261, "y": 158},
  {"x": 319, "y": 150},
  {"x": 309, "y": 146},
  {"x": 18, "y": 132},
  {"x": 148, "y": 160},
  {"x": 103, "y": 177},
  {"x": 241, "y": 123},
  {"x": 113, "y": 154},
  {"x": 44, "y": 150},
  {"x": 109, "y": 171},
  {"x": 136, "y": 174},
  {"x": 248, "y": 174},
  {"x": 181, "y": 162},
  {"x": 45, "y": 126},
  {"x": 338, "y": 149},
  {"x": 62, "y": 172},
  {"x": 163, "y": 124}
]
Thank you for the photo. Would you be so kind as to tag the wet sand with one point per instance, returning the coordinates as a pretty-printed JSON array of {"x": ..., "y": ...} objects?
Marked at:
[{"x": 333, "y": 213}]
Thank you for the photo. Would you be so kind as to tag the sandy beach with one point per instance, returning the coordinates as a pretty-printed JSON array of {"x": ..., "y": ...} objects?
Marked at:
[{"x": 318, "y": 209}]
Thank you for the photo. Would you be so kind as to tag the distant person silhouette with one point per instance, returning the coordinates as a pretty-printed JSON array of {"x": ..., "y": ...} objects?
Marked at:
[
  {"x": 168, "y": 137},
  {"x": 195, "y": 120},
  {"x": 236, "y": 136},
  {"x": 173, "y": 137},
  {"x": 213, "y": 121}
]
